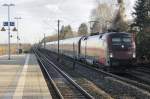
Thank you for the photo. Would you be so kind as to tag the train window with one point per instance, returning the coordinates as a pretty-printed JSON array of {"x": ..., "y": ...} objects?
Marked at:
[
  {"x": 85, "y": 38},
  {"x": 116, "y": 41},
  {"x": 100, "y": 36},
  {"x": 121, "y": 40},
  {"x": 126, "y": 40}
]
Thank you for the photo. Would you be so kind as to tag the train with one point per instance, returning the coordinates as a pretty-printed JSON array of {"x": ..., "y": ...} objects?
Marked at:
[{"x": 108, "y": 49}]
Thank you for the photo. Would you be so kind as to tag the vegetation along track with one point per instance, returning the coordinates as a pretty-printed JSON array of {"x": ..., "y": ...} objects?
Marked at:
[
  {"x": 65, "y": 86},
  {"x": 97, "y": 76}
]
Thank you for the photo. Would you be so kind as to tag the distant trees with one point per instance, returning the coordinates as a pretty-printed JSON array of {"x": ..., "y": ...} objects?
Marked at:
[
  {"x": 83, "y": 29},
  {"x": 50, "y": 38},
  {"x": 66, "y": 32},
  {"x": 142, "y": 23}
]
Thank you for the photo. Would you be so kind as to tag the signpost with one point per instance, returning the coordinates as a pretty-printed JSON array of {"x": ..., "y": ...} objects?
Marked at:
[{"x": 8, "y": 24}]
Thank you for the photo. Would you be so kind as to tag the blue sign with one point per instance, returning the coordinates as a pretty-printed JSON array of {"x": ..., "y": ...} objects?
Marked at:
[
  {"x": 12, "y": 23},
  {"x": 5, "y": 23},
  {"x": 9, "y": 23}
]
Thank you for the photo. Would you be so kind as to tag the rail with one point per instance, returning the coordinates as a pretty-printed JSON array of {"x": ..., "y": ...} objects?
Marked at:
[{"x": 86, "y": 94}]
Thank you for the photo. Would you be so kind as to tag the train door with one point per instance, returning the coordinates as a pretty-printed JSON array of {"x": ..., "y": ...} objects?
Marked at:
[
  {"x": 107, "y": 54},
  {"x": 83, "y": 48}
]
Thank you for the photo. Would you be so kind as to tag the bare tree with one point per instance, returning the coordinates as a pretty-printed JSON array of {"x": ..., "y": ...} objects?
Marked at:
[
  {"x": 107, "y": 17},
  {"x": 119, "y": 23},
  {"x": 102, "y": 15}
]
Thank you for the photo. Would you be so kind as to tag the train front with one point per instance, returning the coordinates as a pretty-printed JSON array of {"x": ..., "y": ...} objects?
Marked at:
[{"x": 121, "y": 48}]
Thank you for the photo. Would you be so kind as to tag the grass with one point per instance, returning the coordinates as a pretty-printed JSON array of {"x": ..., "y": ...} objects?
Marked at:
[{"x": 13, "y": 48}]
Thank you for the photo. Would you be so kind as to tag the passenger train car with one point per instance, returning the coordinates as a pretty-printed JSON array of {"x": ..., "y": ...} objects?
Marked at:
[{"x": 105, "y": 49}]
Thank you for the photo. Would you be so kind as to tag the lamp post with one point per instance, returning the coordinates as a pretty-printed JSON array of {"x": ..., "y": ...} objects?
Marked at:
[
  {"x": 44, "y": 41},
  {"x": 18, "y": 38},
  {"x": 8, "y": 5},
  {"x": 58, "y": 39}
]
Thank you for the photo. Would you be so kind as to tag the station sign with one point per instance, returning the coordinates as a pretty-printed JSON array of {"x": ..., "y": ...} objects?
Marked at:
[
  {"x": 12, "y": 23},
  {"x": 5, "y": 23},
  {"x": 8, "y": 23}
]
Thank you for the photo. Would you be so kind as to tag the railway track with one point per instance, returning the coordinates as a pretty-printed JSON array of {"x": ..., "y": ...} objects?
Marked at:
[
  {"x": 141, "y": 75},
  {"x": 64, "y": 86},
  {"x": 143, "y": 69},
  {"x": 135, "y": 82},
  {"x": 128, "y": 79},
  {"x": 97, "y": 76},
  {"x": 141, "y": 80}
]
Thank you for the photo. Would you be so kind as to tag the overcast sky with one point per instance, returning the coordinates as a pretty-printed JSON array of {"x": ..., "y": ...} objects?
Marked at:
[{"x": 40, "y": 16}]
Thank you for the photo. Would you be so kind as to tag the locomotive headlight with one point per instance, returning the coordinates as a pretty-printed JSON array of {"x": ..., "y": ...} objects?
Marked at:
[
  {"x": 134, "y": 55},
  {"x": 111, "y": 55}
]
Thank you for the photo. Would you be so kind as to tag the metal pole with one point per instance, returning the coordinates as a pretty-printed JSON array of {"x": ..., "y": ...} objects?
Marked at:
[
  {"x": 17, "y": 18},
  {"x": 58, "y": 38},
  {"x": 74, "y": 61},
  {"x": 9, "y": 50},
  {"x": 44, "y": 41},
  {"x": 17, "y": 37},
  {"x": 9, "y": 33}
]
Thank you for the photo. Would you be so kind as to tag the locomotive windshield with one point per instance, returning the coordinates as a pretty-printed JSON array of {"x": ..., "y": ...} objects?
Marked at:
[
  {"x": 126, "y": 40},
  {"x": 121, "y": 40},
  {"x": 116, "y": 41}
]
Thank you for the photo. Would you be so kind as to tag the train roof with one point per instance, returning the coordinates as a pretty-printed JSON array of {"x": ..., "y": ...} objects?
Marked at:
[
  {"x": 107, "y": 33},
  {"x": 95, "y": 34}
]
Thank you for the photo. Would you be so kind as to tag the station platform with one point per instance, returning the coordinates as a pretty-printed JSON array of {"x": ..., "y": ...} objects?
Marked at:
[{"x": 22, "y": 78}]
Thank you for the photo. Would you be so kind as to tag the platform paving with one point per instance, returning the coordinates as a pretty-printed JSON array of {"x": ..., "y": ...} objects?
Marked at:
[{"x": 21, "y": 78}]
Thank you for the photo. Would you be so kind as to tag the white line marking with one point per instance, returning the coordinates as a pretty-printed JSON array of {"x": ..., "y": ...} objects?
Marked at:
[
  {"x": 20, "y": 86},
  {"x": 3, "y": 56},
  {"x": 7, "y": 60}
]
